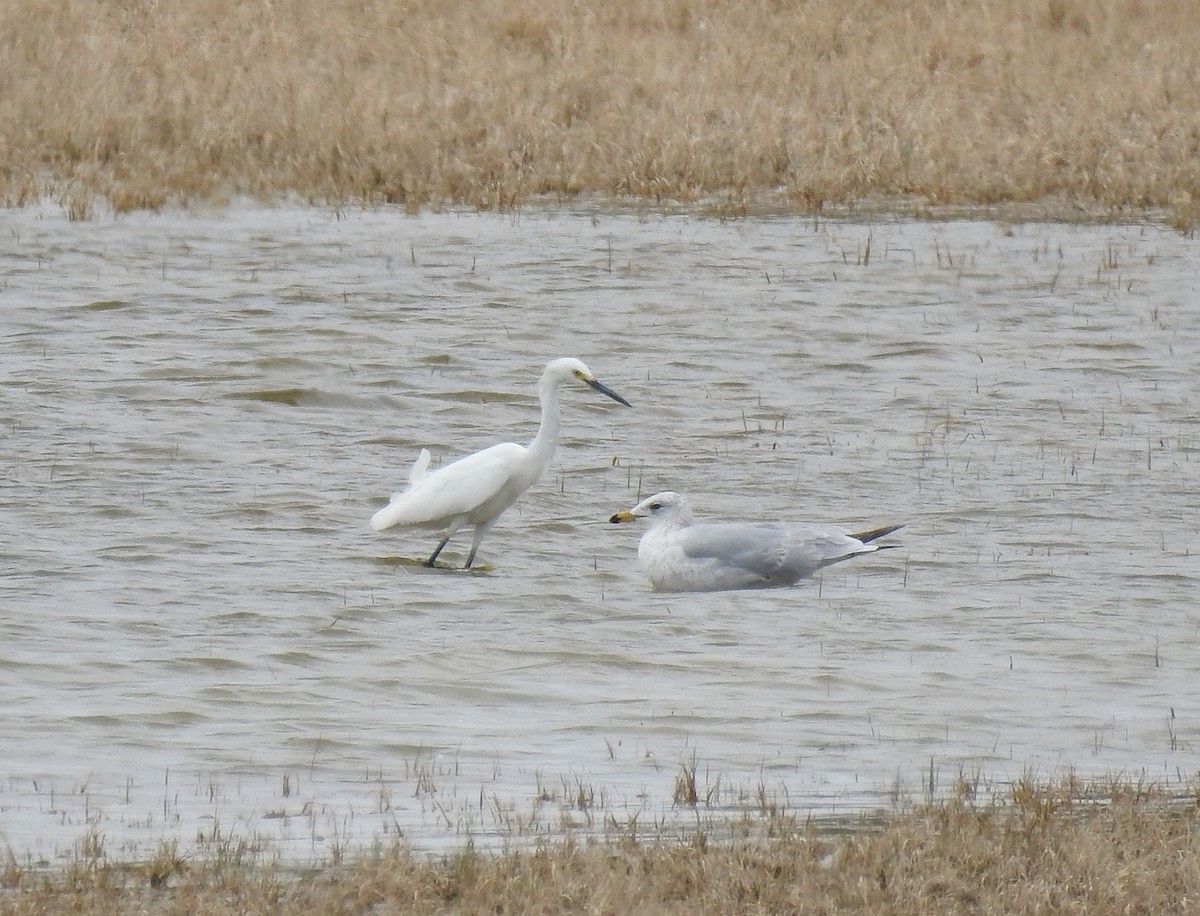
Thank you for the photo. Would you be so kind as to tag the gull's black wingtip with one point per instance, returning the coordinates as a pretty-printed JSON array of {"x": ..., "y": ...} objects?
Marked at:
[{"x": 873, "y": 534}]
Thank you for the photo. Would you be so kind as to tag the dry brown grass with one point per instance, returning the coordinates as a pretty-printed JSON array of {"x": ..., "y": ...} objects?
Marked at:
[
  {"x": 490, "y": 102},
  {"x": 1060, "y": 848}
]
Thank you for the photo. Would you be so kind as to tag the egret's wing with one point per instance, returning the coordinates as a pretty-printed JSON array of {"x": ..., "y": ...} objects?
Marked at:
[
  {"x": 453, "y": 490},
  {"x": 420, "y": 466}
]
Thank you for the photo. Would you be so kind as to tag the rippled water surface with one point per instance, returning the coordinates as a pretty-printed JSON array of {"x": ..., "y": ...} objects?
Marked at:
[{"x": 201, "y": 638}]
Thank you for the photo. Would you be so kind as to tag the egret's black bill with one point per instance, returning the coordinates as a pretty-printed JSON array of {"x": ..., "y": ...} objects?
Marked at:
[{"x": 604, "y": 389}]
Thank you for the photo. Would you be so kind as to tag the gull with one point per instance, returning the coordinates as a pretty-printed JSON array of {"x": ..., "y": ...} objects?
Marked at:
[
  {"x": 679, "y": 554},
  {"x": 476, "y": 490}
]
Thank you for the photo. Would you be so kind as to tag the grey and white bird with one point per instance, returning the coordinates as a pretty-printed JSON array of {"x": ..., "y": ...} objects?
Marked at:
[
  {"x": 476, "y": 490},
  {"x": 680, "y": 554}
]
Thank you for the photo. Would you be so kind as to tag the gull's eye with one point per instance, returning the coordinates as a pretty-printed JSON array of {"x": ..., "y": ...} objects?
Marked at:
[{"x": 654, "y": 507}]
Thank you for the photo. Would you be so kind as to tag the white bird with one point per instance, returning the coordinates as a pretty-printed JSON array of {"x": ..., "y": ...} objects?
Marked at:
[
  {"x": 679, "y": 554},
  {"x": 476, "y": 490}
]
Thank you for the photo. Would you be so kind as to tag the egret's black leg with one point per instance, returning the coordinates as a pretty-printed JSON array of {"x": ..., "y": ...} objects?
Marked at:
[
  {"x": 480, "y": 531},
  {"x": 433, "y": 558}
]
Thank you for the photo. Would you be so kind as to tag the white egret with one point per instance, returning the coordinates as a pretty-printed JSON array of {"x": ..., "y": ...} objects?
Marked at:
[
  {"x": 679, "y": 554},
  {"x": 476, "y": 490}
]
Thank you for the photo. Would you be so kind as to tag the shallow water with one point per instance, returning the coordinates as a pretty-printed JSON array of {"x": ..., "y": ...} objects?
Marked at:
[{"x": 201, "y": 639}]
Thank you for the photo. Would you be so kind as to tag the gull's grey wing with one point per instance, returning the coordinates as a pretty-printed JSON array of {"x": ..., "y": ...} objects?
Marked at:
[
  {"x": 775, "y": 553},
  {"x": 760, "y": 550},
  {"x": 810, "y": 549}
]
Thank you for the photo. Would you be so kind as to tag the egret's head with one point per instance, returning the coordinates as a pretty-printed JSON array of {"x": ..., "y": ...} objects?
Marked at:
[
  {"x": 660, "y": 506},
  {"x": 567, "y": 368}
]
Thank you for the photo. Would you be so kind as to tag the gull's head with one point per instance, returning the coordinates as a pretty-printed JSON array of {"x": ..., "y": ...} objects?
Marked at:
[
  {"x": 568, "y": 368},
  {"x": 661, "y": 508}
]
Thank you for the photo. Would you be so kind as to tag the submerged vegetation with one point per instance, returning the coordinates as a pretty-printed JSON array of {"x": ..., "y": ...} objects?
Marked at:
[
  {"x": 489, "y": 104},
  {"x": 1044, "y": 848}
]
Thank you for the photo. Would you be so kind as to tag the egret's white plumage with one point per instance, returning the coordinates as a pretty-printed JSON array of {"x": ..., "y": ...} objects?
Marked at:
[
  {"x": 679, "y": 554},
  {"x": 476, "y": 490}
]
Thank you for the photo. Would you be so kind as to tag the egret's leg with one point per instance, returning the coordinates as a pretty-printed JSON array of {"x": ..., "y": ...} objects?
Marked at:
[
  {"x": 480, "y": 531},
  {"x": 433, "y": 558},
  {"x": 450, "y": 529}
]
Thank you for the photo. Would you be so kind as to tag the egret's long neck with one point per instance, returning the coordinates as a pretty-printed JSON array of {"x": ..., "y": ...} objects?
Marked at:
[{"x": 546, "y": 440}]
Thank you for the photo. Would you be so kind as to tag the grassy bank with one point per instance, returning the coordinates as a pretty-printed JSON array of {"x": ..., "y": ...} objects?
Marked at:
[
  {"x": 1093, "y": 103},
  {"x": 1059, "y": 848}
]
